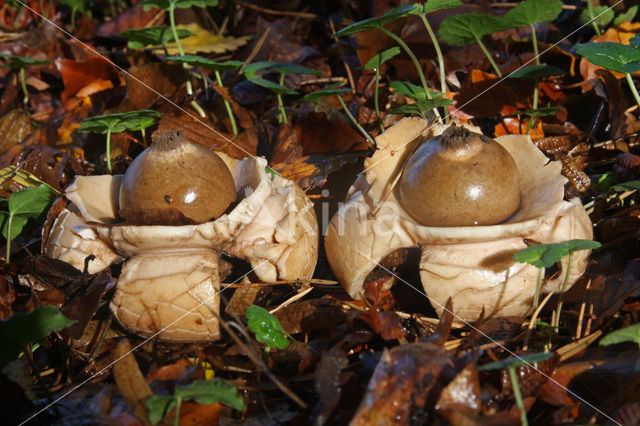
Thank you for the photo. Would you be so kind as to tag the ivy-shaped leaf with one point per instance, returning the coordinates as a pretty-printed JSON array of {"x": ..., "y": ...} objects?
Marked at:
[
  {"x": 602, "y": 15},
  {"x": 266, "y": 327},
  {"x": 614, "y": 56},
  {"x": 536, "y": 71},
  {"x": 21, "y": 329},
  {"x": 461, "y": 30},
  {"x": 546, "y": 255},
  {"x": 152, "y": 36},
  {"x": 381, "y": 58},
  {"x": 531, "y": 12}
]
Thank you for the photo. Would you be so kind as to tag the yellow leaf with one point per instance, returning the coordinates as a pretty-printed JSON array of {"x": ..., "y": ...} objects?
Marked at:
[
  {"x": 21, "y": 177},
  {"x": 203, "y": 41}
]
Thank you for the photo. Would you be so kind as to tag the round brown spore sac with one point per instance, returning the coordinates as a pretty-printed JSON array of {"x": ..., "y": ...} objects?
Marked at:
[
  {"x": 174, "y": 179},
  {"x": 461, "y": 178}
]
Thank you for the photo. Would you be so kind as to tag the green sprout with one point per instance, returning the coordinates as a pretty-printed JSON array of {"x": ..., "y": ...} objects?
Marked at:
[
  {"x": 614, "y": 56},
  {"x": 546, "y": 255},
  {"x": 599, "y": 16},
  {"x": 200, "y": 391},
  {"x": 140, "y": 38},
  {"x": 374, "y": 64},
  {"x": 511, "y": 364},
  {"x": 171, "y": 5},
  {"x": 254, "y": 73},
  {"x": 469, "y": 28},
  {"x": 117, "y": 123},
  {"x": 29, "y": 203},
  {"x": 216, "y": 67},
  {"x": 77, "y": 6},
  {"x": 627, "y": 334},
  {"x": 267, "y": 328},
  {"x": 378, "y": 23},
  {"x": 333, "y": 90},
  {"x": 421, "y": 107},
  {"x": 20, "y": 63}
]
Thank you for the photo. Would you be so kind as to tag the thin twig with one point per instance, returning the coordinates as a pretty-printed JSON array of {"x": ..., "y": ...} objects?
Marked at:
[
  {"x": 292, "y": 299},
  {"x": 256, "y": 48},
  {"x": 532, "y": 322},
  {"x": 582, "y": 307},
  {"x": 305, "y": 15},
  {"x": 344, "y": 62}
]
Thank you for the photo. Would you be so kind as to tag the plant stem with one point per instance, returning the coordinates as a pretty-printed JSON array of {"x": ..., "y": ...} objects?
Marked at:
[
  {"x": 632, "y": 86},
  {"x": 536, "y": 295},
  {"x": 592, "y": 18},
  {"x": 283, "y": 113},
  {"x": 564, "y": 288},
  {"x": 413, "y": 58},
  {"x": 517, "y": 395},
  {"x": 176, "y": 419},
  {"x": 534, "y": 40},
  {"x": 144, "y": 137},
  {"x": 109, "y": 150},
  {"x": 7, "y": 257},
  {"x": 227, "y": 106},
  {"x": 375, "y": 99},
  {"x": 535, "y": 102},
  {"x": 486, "y": 53},
  {"x": 443, "y": 77},
  {"x": 23, "y": 83},
  {"x": 364, "y": 132}
]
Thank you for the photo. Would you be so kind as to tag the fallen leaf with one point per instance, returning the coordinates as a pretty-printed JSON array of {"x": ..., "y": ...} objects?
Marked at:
[
  {"x": 518, "y": 126},
  {"x": 312, "y": 170},
  {"x": 327, "y": 381},
  {"x": 130, "y": 381},
  {"x": 86, "y": 78},
  {"x": 318, "y": 135},
  {"x": 135, "y": 17},
  {"x": 203, "y": 41},
  {"x": 15, "y": 127}
]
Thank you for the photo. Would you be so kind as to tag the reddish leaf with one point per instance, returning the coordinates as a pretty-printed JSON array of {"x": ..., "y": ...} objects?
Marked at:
[
  {"x": 387, "y": 324},
  {"x": 319, "y": 135},
  {"x": 86, "y": 78},
  {"x": 516, "y": 126}
]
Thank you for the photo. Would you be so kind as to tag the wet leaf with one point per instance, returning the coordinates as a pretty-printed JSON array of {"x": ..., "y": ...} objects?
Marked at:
[
  {"x": 531, "y": 12},
  {"x": 536, "y": 71},
  {"x": 151, "y": 36},
  {"x": 460, "y": 30},
  {"x": 602, "y": 15},
  {"x": 377, "y": 22},
  {"x": 610, "y": 55},
  {"x": 546, "y": 255},
  {"x": 627, "y": 334},
  {"x": 266, "y": 327},
  {"x": 381, "y": 58},
  {"x": 21, "y": 329}
]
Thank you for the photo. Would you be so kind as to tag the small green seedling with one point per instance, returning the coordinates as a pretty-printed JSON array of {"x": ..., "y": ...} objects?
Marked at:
[
  {"x": 546, "y": 255},
  {"x": 374, "y": 64},
  {"x": 119, "y": 122},
  {"x": 422, "y": 10},
  {"x": 469, "y": 28},
  {"x": 77, "y": 6},
  {"x": 540, "y": 112},
  {"x": 511, "y": 364},
  {"x": 536, "y": 72},
  {"x": 140, "y": 38},
  {"x": 333, "y": 90},
  {"x": 627, "y": 334},
  {"x": 598, "y": 16},
  {"x": 20, "y": 63},
  {"x": 267, "y": 328},
  {"x": 412, "y": 91},
  {"x": 29, "y": 203},
  {"x": 200, "y": 391},
  {"x": 421, "y": 107},
  {"x": 171, "y": 6},
  {"x": 614, "y": 56},
  {"x": 254, "y": 73},
  {"x": 378, "y": 23},
  {"x": 22, "y": 329},
  {"x": 216, "y": 67},
  {"x": 626, "y": 16}
]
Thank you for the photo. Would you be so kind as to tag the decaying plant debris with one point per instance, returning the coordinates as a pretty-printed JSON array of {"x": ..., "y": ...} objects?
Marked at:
[{"x": 303, "y": 102}]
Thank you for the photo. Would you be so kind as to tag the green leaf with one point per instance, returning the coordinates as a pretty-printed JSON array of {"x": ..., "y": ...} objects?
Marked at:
[
  {"x": 536, "y": 71},
  {"x": 626, "y": 16},
  {"x": 381, "y": 58},
  {"x": 540, "y": 112},
  {"x": 210, "y": 391},
  {"x": 182, "y": 4},
  {"x": 21, "y": 177},
  {"x": 152, "y": 36},
  {"x": 632, "y": 185},
  {"x": 546, "y": 255},
  {"x": 21, "y": 329},
  {"x": 412, "y": 91},
  {"x": 602, "y": 15},
  {"x": 77, "y": 5},
  {"x": 377, "y": 22},
  {"x": 24, "y": 205},
  {"x": 435, "y": 5},
  {"x": 330, "y": 90},
  {"x": 517, "y": 361},
  {"x": 274, "y": 87},
  {"x": 266, "y": 327},
  {"x": 17, "y": 62},
  {"x": 159, "y": 406},
  {"x": 531, "y": 12},
  {"x": 259, "y": 68},
  {"x": 460, "y": 30},
  {"x": 421, "y": 107},
  {"x": 614, "y": 56},
  {"x": 200, "y": 61},
  {"x": 119, "y": 122},
  {"x": 627, "y": 334}
]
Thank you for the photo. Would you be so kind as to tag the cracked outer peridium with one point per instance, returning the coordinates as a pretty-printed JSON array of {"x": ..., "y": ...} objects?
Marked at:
[
  {"x": 472, "y": 265},
  {"x": 169, "y": 286}
]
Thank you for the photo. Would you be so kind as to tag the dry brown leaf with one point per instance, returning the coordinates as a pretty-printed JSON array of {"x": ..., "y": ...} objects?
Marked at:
[
  {"x": 130, "y": 381},
  {"x": 15, "y": 127}
]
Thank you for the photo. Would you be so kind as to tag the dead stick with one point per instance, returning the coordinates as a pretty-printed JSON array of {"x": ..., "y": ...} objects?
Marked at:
[{"x": 277, "y": 12}]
